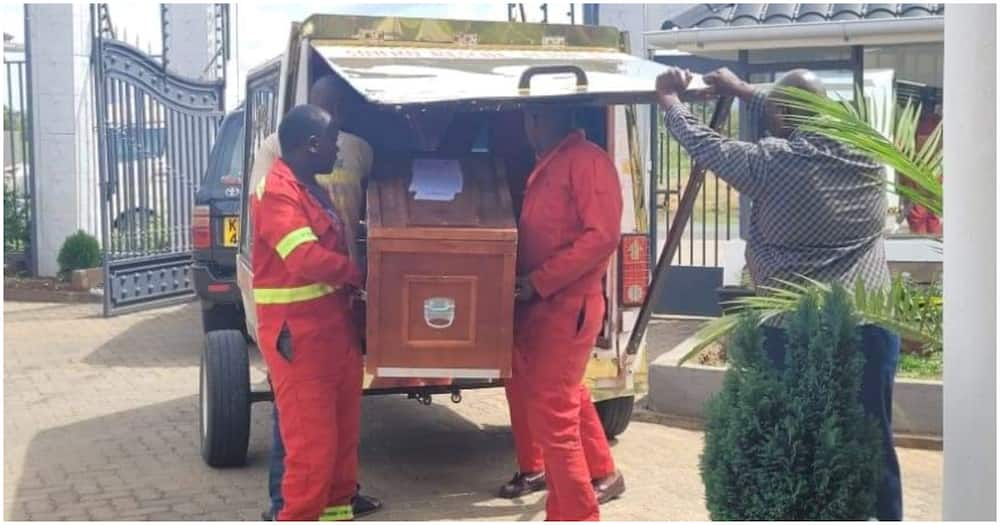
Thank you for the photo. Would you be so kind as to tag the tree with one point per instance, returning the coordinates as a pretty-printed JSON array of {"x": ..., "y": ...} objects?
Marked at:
[{"x": 793, "y": 444}]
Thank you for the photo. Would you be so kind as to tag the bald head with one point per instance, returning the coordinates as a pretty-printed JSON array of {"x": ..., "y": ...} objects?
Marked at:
[
  {"x": 308, "y": 138},
  {"x": 328, "y": 93},
  {"x": 802, "y": 79}
]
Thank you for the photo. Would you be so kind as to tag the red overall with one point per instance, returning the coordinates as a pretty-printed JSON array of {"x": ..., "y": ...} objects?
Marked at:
[
  {"x": 301, "y": 281},
  {"x": 569, "y": 226}
]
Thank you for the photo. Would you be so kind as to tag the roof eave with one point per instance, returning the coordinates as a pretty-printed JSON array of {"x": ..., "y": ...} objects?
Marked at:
[{"x": 812, "y": 34}]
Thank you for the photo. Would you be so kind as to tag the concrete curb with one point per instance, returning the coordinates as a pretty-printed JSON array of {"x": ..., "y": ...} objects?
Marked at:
[
  {"x": 680, "y": 393},
  {"x": 49, "y": 296}
]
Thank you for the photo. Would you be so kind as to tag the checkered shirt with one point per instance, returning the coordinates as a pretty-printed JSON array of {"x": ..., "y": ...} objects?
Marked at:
[{"x": 818, "y": 208}]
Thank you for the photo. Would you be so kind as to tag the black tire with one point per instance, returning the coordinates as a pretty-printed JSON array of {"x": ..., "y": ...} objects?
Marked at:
[
  {"x": 224, "y": 399},
  {"x": 615, "y": 414},
  {"x": 222, "y": 317}
]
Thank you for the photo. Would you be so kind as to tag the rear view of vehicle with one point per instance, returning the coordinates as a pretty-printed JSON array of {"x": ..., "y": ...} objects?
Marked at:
[
  {"x": 450, "y": 170},
  {"x": 215, "y": 228}
]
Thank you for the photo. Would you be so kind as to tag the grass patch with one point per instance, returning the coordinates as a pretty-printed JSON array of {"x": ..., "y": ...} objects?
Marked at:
[
  {"x": 921, "y": 366},
  {"x": 912, "y": 365}
]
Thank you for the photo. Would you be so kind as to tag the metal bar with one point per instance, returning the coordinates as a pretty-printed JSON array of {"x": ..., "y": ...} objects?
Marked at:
[
  {"x": 100, "y": 107},
  {"x": 11, "y": 130},
  {"x": 665, "y": 172},
  {"x": 816, "y": 65},
  {"x": 153, "y": 181},
  {"x": 729, "y": 189},
  {"x": 28, "y": 128},
  {"x": 858, "y": 66},
  {"x": 130, "y": 178},
  {"x": 654, "y": 157},
  {"x": 142, "y": 167},
  {"x": 117, "y": 181},
  {"x": 27, "y": 170},
  {"x": 189, "y": 166},
  {"x": 176, "y": 126},
  {"x": 684, "y": 210},
  {"x": 680, "y": 155},
  {"x": 691, "y": 226},
  {"x": 160, "y": 177}
]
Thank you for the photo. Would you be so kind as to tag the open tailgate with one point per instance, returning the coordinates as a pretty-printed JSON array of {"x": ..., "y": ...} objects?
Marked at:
[{"x": 389, "y": 75}]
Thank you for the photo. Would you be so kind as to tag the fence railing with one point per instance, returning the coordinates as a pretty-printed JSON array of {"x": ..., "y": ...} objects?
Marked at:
[
  {"x": 715, "y": 219},
  {"x": 17, "y": 169}
]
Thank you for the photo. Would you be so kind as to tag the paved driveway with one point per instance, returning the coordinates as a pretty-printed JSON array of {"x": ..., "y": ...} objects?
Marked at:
[{"x": 101, "y": 422}]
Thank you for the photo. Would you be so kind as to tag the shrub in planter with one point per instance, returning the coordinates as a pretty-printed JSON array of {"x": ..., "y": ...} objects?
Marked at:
[
  {"x": 793, "y": 444},
  {"x": 79, "y": 251}
]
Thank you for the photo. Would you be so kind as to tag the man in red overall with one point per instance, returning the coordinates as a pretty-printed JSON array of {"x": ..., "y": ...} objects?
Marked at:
[
  {"x": 302, "y": 283},
  {"x": 570, "y": 225}
]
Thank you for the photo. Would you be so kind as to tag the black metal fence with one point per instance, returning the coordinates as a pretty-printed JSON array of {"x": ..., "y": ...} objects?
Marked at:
[
  {"x": 17, "y": 168},
  {"x": 715, "y": 219},
  {"x": 154, "y": 131}
]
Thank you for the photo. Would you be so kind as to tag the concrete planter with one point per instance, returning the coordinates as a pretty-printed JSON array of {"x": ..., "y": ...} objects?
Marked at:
[
  {"x": 683, "y": 390},
  {"x": 88, "y": 279}
]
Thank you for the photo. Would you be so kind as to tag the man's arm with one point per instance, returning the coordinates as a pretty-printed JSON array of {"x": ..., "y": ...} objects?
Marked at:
[
  {"x": 288, "y": 232},
  {"x": 599, "y": 205},
  {"x": 741, "y": 164}
]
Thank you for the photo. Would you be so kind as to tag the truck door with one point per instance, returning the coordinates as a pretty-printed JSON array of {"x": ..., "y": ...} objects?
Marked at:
[{"x": 260, "y": 120}]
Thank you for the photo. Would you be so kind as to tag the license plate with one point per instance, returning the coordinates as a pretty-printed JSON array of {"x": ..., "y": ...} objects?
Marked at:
[{"x": 230, "y": 231}]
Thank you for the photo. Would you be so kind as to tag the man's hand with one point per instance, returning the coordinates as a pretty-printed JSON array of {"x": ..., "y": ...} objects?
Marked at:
[
  {"x": 670, "y": 84},
  {"x": 673, "y": 81},
  {"x": 725, "y": 83},
  {"x": 523, "y": 289}
]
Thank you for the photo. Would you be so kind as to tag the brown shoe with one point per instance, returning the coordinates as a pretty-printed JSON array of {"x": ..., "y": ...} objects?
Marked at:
[
  {"x": 522, "y": 484},
  {"x": 609, "y": 488}
]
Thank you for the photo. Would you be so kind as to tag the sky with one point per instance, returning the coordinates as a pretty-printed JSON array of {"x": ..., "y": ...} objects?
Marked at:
[{"x": 260, "y": 28}]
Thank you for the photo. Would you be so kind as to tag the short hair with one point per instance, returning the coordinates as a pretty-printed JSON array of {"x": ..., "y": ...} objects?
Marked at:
[
  {"x": 302, "y": 122},
  {"x": 328, "y": 83},
  {"x": 560, "y": 116}
]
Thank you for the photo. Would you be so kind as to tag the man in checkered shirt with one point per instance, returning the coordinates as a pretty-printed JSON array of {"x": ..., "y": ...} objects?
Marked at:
[{"x": 817, "y": 210}]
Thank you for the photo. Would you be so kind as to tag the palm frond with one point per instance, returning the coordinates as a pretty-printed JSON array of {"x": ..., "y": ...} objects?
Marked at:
[
  {"x": 849, "y": 123},
  {"x": 914, "y": 315}
]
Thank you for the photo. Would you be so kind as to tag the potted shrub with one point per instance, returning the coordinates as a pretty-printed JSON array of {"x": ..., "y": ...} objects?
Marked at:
[
  {"x": 78, "y": 260},
  {"x": 793, "y": 444}
]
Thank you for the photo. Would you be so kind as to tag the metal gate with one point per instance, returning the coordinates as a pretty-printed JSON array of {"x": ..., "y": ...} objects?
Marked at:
[
  {"x": 154, "y": 132},
  {"x": 18, "y": 180},
  {"x": 696, "y": 272}
]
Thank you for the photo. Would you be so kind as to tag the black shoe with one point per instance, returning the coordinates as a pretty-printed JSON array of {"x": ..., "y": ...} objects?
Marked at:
[
  {"x": 609, "y": 488},
  {"x": 364, "y": 505},
  {"x": 267, "y": 515},
  {"x": 523, "y": 484}
]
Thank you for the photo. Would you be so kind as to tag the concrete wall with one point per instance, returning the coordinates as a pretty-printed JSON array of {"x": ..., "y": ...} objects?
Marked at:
[
  {"x": 65, "y": 174},
  {"x": 970, "y": 479},
  {"x": 190, "y": 40}
]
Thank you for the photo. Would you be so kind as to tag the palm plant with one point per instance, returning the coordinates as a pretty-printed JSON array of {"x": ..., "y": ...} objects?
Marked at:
[{"x": 912, "y": 313}]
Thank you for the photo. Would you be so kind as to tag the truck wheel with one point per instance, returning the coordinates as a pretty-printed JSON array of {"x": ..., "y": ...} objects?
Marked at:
[
  {"x": 615, "y": 414},
  {"x": 222, "y": 317},
  {"x": 224, "y": 399}
]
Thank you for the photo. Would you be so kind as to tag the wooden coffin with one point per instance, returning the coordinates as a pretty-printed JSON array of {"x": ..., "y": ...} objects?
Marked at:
[{"x": 440, "y": 275}]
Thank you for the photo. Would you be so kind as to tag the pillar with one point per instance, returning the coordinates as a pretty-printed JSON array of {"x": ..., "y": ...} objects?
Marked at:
[{"x": 970, "y": 480}]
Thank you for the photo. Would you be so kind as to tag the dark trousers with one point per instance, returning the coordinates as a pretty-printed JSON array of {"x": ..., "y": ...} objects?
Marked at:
[
  {"x": 277, "y": 468},
  {"x": 881, "y": 349}
]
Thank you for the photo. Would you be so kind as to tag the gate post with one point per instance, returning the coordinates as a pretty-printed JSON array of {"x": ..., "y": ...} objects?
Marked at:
[{"x": 58, "y": 42}]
